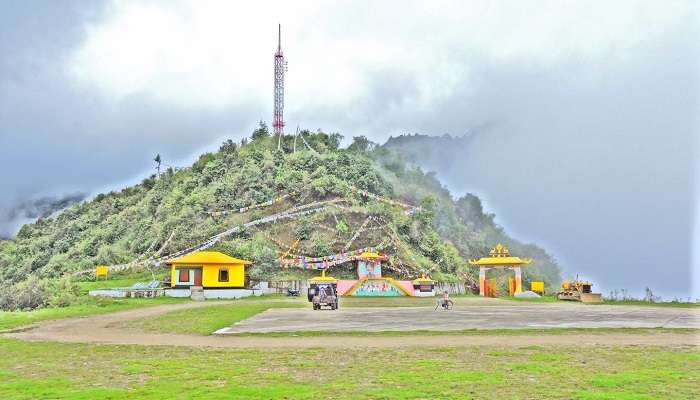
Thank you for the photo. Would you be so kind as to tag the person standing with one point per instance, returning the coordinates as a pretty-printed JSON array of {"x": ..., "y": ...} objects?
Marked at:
[{"x": 445, "y": 299}]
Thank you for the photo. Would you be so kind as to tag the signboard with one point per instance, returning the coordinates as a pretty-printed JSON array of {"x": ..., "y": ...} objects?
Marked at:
[
  {"x": 425, "y": 287},
  {"x": 101, "y": 270},
  {"x": 537, "y": 287}
]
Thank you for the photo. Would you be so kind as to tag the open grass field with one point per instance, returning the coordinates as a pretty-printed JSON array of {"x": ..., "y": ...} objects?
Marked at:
[
  {"x": 31, "y": 370},
  {"x": 87, "y": 306},
  {"x": 426, "y": 365},
  {"x": 204, "y": 321}
]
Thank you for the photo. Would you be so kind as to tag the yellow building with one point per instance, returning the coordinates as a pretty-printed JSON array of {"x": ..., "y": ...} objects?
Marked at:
[
  {"x": 423, "y": 287},
  {"x": 209, "y": 269}
]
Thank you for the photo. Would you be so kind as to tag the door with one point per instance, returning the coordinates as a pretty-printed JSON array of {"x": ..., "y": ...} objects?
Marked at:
[{"x": 197, "y": 277}]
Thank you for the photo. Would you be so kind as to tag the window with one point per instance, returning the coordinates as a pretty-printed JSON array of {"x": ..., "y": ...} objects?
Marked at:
[
  {"x": 184, "y": 275},
  {"x": 223, "y": 275}
]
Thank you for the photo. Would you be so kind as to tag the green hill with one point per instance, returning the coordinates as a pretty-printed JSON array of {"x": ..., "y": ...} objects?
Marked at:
[{"x": 185, "y": 208}]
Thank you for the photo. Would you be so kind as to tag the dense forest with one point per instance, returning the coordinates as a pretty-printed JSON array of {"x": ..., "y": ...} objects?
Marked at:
[{"x": 370, "y": 186}]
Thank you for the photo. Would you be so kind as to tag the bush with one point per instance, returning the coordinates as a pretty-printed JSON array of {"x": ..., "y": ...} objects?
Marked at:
[
  {"x": 342, "y": 227},
  {"x": 35, "y": 293},
  {"x": 26, "y": 295},
  {"x": 319, "y": 247},
  {"x": 304, "y": 229},
  {"x": 63, "y": 293}
]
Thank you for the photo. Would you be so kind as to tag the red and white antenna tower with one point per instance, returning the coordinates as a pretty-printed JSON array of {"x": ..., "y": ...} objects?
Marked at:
[{"x": 280, "y": 69}]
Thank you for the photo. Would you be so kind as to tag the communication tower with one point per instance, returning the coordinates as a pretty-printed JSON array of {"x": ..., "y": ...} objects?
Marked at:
[{"x": 280, "y": 69}]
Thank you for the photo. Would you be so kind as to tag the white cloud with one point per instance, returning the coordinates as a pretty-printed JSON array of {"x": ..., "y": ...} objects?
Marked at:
[{"x": 219, "y": 53}]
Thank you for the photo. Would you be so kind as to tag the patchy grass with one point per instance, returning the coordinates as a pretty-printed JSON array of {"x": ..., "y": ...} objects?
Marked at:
[
  {"x": 482, "y": 332},
  {"x": 87, "y": 306},
  {"x": 543, "y": 299},
  {"x": 206, "y": 320},
  {"x": 679, "y": 304},
  {"x": 553, "y": 299},
  {"x": 30, "y": 370}
]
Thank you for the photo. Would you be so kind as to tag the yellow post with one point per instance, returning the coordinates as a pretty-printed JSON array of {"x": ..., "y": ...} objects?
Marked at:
[
  {"x": 511, "y": 286},
  {"x": 492, "y": 288},
  {"x": 482, "y": 281},
  {"x": 518, "y": 279}
]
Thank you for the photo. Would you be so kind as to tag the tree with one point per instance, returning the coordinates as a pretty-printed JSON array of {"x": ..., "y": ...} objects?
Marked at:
[
  {"x": 427, "y": 210},
  {"x": 261, "y": 131},
  {"x": 158, "y": 161},
  {"x": 304, "y": 229},
  {"x": 469, "y": 207},
  {"x": 360, "y": 144},
  {"x": 228, "y": 147},
  {"x": 334, "y": 140}
]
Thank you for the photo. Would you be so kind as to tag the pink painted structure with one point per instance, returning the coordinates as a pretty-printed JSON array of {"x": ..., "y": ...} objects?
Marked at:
[
  {"x": 371, "y": 282},
  {"x": 407, "y": 286},
  {"x": 344, "y": 285}
]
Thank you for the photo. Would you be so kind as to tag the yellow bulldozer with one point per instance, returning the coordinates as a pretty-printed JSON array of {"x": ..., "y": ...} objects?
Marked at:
[{"x": 578, "y": 290}]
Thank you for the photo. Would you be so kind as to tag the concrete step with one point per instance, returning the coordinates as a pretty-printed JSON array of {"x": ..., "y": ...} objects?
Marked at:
[{"x": 197, "y": 293}]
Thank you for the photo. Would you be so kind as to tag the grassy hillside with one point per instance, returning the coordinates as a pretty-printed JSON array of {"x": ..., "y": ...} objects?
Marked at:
[{"x": 167, "y": 213}]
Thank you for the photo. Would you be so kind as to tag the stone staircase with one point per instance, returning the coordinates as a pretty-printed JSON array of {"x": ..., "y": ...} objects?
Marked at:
[{"x": 197, "y": 293}]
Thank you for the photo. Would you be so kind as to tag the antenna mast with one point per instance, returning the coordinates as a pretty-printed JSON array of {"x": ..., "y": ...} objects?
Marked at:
[{"x": 280, "y": 69}]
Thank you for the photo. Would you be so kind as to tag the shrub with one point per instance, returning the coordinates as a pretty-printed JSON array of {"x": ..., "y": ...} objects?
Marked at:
[
  {"x": 303, "y": 231},
  {"x": 342, "y": 227},
  {"x": 63, "y": 292},
  {"x": 35, "y": 293},
  {"x": 26, "y": 295}
]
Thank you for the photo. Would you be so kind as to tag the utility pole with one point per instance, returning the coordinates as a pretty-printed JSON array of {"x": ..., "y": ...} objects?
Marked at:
[{"x": 295, "y": 140}]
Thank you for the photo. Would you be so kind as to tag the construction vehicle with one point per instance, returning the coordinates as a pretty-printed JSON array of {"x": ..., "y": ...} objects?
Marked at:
[{"x": 578, "y": 290}]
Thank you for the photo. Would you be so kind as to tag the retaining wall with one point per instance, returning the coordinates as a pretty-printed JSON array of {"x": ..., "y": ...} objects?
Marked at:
[{"x": 126, "y": 292}]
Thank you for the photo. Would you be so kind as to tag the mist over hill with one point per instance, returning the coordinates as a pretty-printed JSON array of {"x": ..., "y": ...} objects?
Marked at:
[
  {"x": 617, "y": 219},
  {"x": 27, "y": 210},
  {"x": 371, "y": 197}
]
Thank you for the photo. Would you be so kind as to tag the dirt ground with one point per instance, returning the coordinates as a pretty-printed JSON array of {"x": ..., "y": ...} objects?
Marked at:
[{"x": 109, "y": 328}]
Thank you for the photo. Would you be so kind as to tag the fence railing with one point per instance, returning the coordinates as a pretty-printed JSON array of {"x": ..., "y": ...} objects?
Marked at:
[{"x": 451, "y": 287}]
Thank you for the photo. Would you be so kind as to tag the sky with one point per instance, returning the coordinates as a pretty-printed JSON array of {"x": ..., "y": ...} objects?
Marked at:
[{"x": 584, "y": 115}]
